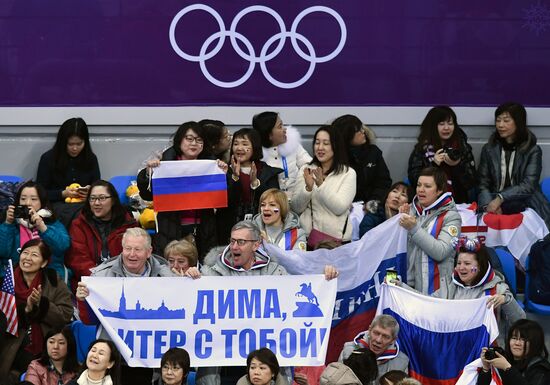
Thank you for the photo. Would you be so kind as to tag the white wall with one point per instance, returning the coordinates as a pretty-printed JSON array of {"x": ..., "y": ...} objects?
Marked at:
[{"x": 123, "y": 138}]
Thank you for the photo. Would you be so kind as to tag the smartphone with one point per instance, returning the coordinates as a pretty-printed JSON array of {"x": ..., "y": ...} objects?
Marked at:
[
  {"x": 82, "y": 189},
  {"x": 390, "y": 275}
]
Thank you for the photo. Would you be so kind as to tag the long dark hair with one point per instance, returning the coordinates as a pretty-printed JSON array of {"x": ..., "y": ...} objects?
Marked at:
[
  {"x": 532, "y": 333},
  {"x": 428, "y": 129},
  {"x": 347, "y": 126},
  {"x": 519, "y": 115},
  {"x": 340, "y": 162},
  {"x": 114, "y": 372},
  {"x": 213, "y": 133},
  {"x": 118, "y": 213},
  {"x": 254, "y": 138},
  {"x": 264, "y": 123},
  {"x": 482, "y": 257},
  {"x": 42, "y": 195},
  {"x": 71, "y": 362},
  {"x": 72, "y": 127},
  {"x": 182, "y": 131}
]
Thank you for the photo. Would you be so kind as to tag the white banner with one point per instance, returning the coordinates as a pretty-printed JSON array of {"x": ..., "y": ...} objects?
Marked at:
[{"x": 218, "y": 320}]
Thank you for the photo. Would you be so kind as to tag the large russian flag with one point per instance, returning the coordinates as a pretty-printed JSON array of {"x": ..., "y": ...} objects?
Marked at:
[
  {"x": 362, "y": 266},
  {"x": 439, "y": 336},
  {"x": 188, "y": 184}
]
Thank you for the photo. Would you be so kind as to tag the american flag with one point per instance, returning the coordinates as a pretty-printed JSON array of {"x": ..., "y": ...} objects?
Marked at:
[{"x": 7, "y": 300}]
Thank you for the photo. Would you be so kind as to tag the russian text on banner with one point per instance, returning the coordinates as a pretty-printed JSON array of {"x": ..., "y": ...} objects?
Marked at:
[
  {"x": 362, "y": 266},
  {"x": 218, "y": 327},
  {"x": 431, "y": 326},
  {"x": 189, "y": 184}
]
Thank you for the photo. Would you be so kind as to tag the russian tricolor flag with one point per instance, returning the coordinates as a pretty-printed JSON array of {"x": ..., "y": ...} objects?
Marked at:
[
  {"x": 439, "y": 336},
  {"x": 189, "y": 184},
  {"x": 362, "y": 266}
]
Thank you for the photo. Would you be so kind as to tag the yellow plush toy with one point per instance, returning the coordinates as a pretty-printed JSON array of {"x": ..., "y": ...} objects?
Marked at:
[
  {"x": 74, "y": 200},
  {"x": 142, "y": 210}
]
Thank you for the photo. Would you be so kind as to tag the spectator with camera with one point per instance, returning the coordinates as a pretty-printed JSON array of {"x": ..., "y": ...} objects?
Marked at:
[
  {"x": 443, "y": 144},
  {"x": 32, "y": 217},
  {"x": 524, "y": 360}
]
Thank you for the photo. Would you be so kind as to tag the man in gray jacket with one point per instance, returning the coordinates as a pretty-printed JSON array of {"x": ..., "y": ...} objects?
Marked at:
[
  {"x": 242, "y": 257},
  {"x": 381, "y": 340},
  {"x": 136, "y": 260}
]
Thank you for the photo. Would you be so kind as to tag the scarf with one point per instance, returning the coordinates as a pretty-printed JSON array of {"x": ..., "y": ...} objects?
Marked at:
[
  {"x": 26, "y": 234},
  {"x": 22, "y": 292},
  {"x": 391, "y": 352}
]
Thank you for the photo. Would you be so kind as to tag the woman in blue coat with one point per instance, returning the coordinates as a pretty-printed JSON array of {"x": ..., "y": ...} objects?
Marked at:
[{"x": 33, "y": 218}]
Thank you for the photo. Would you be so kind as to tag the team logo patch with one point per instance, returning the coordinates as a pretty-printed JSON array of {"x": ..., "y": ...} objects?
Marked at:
[{"x": 453, "y": 230}]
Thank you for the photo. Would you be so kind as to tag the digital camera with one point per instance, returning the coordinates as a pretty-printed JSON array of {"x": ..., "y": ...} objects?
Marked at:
[
  {"x": 22, "y": 212},
  {"x": 453, "y": 153}
]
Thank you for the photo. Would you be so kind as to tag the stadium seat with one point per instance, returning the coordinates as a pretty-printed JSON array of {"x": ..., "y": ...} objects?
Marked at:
[
  {"x": 530, "y": 305},
  {"x": 84, "y": 336},
  {"x": 11, "y": 178},
  {"x": 545, "y": 187},
  {"x": 191, "y": 378},
  {"x": 121, "y": 183},
  {"x": 508, "y": 267}
]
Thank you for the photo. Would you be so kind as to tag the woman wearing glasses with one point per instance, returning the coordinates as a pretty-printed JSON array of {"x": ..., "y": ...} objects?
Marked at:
[
  {"x": 188, "y": 144},
  {"x": 174, "y": 367},
  {"x": 97, "y": 232}
]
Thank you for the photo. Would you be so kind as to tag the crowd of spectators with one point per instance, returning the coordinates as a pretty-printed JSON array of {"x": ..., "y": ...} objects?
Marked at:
[{"x": 55, "y": 234}]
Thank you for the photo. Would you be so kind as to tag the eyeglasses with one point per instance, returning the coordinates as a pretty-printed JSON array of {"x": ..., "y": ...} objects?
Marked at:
[
  {"x": 516, "y": 338},
  {"x": 167, "y": 368},
  {"x": 191, "y": 139},
  {"x": 99, "y": 198},
  {"x": 240, "y": 242}
]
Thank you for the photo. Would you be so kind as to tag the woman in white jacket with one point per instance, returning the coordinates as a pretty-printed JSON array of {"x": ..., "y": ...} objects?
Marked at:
[
  {"x": 325, "y": 188},
  {"x": 282, "y": 147}
]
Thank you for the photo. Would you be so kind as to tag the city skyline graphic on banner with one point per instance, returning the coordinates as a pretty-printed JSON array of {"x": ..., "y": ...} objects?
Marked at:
[{"x": 162, "y": 312}]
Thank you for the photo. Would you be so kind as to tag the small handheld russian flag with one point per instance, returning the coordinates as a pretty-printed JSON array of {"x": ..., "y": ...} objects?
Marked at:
[{"x": 189, "y": 184}]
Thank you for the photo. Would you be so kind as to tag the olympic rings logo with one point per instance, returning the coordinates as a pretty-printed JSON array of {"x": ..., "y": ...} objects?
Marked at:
[{"x": 250, "y": 55}]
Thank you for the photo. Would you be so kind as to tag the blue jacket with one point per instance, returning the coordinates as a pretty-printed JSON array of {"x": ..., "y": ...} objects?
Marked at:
[{"x": 55, "y": 236}]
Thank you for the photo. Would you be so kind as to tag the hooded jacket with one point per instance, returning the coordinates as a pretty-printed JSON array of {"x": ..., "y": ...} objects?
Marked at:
[
  {"x": 392, "y": 359},
  {"x": 429, "y": 249},
  {"x": 525, "y": 175},
  {"x": 294, "y": 155},
  {"x": 219, "y": 262},
  {"x": 291, "y": 236},
  {"x": 336, "y": 373},
  {"x": 492, "y": 283}
]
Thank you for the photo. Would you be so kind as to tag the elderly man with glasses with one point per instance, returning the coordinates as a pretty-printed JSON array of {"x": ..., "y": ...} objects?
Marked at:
[{"x": 242, "y": 257}]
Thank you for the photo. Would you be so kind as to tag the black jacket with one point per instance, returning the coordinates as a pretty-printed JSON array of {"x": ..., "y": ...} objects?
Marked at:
[
  {"x": 373, "y": 176},
  {"x": 537, "y": 372},
  {"x": 462, "y": 176},
  {"x": 55, "y": 183}
]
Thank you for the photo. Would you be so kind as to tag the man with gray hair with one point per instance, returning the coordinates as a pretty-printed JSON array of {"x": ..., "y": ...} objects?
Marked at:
[
  {"x": 136, "y": 260},
  {"x": 381, "y": 339},
  {"x": 242, "y": 257}
]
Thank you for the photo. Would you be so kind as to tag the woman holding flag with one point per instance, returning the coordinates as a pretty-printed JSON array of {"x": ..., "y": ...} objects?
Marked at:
[
  {"x": 43, "y": 303},
  {"x": 200, "y": 224},
  {"x": 431, "y": 222}
]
